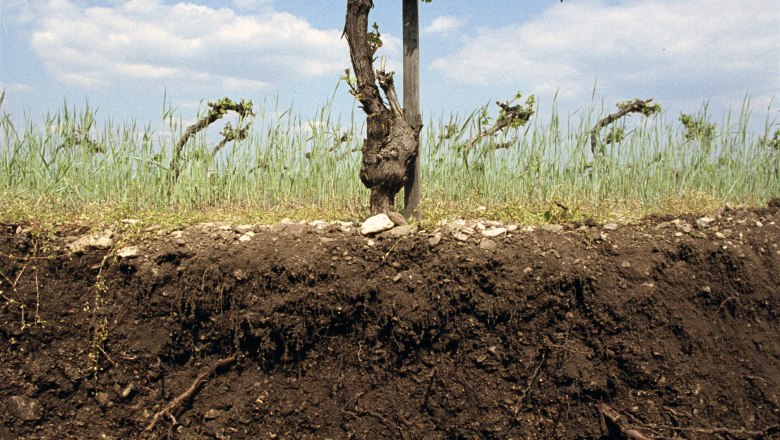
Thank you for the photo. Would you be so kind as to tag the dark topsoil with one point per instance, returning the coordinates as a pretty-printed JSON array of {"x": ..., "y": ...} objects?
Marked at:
[{"x": 647, "y": 331}]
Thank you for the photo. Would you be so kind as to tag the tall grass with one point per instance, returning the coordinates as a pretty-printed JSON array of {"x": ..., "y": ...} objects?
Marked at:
[{"x": 292, "y": 163}]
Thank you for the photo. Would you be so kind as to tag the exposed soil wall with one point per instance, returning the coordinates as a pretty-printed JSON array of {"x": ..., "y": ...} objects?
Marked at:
[{"x": 326, "y": 334}]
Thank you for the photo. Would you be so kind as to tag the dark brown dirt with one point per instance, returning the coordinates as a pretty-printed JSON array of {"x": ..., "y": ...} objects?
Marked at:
[{"x": 675, "y": 329}]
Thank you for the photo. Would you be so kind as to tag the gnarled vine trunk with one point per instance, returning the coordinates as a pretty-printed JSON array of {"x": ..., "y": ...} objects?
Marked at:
[{"x": 391, "y": 143}]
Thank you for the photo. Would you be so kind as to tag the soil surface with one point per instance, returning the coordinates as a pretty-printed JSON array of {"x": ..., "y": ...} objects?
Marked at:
[{"x": 663, "y": 329}]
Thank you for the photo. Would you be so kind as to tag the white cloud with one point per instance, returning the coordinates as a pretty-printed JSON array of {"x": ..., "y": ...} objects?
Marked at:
[
  {"x": 16, "y": 88},
  {"x": 444, "y": 24},
  {"x": 184, "y": 45},
  {"x": 689, "y": 48}
]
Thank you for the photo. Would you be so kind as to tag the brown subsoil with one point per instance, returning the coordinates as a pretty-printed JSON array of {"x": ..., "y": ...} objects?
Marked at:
[{"x": 654, "y": 330}]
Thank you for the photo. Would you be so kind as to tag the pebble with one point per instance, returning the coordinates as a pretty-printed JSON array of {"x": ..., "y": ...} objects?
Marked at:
[
  {"x": 435, "y": 240},
  {"x": 95, "y": 241},
  {"x": 610, "y": 226},
  {"x": 552, "y": 228},
  {"x": 704, "y": 222},
  {"x": 488, "y": 244},
  {"x": 376, "y": 224},
  {"x": 494, "y": 232},
  {"x": 128, "y": 252},
  {"x": 403, "y": 230},
  {"x": 213, "y": 413},
  {"x": 460, "y": 236}
]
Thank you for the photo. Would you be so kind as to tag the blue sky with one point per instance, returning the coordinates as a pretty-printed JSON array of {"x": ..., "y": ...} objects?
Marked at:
[{"x": 123, "y": 56}]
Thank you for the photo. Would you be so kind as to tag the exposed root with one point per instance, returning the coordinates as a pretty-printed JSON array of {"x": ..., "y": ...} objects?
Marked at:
[{"x": 190, "y": 391}]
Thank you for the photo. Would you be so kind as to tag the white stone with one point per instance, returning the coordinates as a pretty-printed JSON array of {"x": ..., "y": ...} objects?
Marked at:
[
  {"x": 610, "y": 226},
  {"x": 128, "y": 252},
  {"x": 245, "y": 238},
  {"x": 552, "y": 228},
  {"x": 494, "y": 232},
  {"x": 131, "y": 221},
  {"x": 704, "y": 222},
  {"x": 244, "y": 228},
  {"x": 460, "y": 236},
  {"x": 376, "y": 224},
  {"x": 96, "y": 241}
]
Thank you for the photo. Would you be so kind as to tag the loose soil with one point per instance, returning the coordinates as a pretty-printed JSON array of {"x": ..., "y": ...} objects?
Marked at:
[{"x": 653, "y": 330}]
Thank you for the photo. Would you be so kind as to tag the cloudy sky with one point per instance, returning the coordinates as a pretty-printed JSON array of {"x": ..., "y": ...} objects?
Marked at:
[{"x": 124, "y": 56}]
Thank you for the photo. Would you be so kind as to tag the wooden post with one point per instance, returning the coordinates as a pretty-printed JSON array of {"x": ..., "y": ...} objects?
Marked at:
[{"x": 411, "y": 102}]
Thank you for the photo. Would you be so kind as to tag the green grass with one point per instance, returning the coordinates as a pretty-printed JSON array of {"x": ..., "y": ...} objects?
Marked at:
[{"x": 69, "y": 168}]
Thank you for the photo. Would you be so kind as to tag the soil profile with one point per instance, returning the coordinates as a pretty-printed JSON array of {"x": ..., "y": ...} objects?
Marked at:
[{"x": 663, "y": 329}]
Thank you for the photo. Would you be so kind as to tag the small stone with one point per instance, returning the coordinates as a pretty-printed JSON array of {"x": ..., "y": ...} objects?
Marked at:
[
  {"x": 480, "y": 226},
  {"x": 435, "y": 240},
  {"x": 552, "y": 228},
  {"x": 240, "y": 274},
  {"x": 610, "y": 226},
  {"x": 177, "y": 234},
  {"x": 296, "y": 229},
  {"x": 91, "y": 242},
  {"x": 397, "y": 277},
  {"x": 127, "y": 391},
  {"x": 319, "y": 224},
  {"x": 245, "y": 238},
  {"x": 511, "y": 228},
  {"x": 598, "y": 236},
  {"x": 128, "y": 252},
  {"x": 460, "y": 236},
  {"x": 704, "y": 222},
  {"x": 759, "y": 224},
  {"x": 212, "y": 414},
  {"x": 494, "y": 232},
  {"x": 180, "y": 242},
  {"x": 375, "y": 224},
  {"x": 396, "y": 218},
  {"x": 527, "y": 270},
  {"x": 278, "y": 227},
  {"x": 243, "y": 229},
  {"x": 403, "y": 230},
  {"x": 488, "y": 244},
  {"x": 25, "y": 408},
  {"x": 625, "y": 264},
  {"x": 130, "y": 221}
]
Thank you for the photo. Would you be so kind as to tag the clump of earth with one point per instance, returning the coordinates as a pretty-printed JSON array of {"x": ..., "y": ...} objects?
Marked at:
[{"x": 667, "y": 328}]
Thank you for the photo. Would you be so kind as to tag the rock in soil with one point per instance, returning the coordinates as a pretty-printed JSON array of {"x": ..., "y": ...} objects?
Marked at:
[{"x": 376, "y": 224}]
